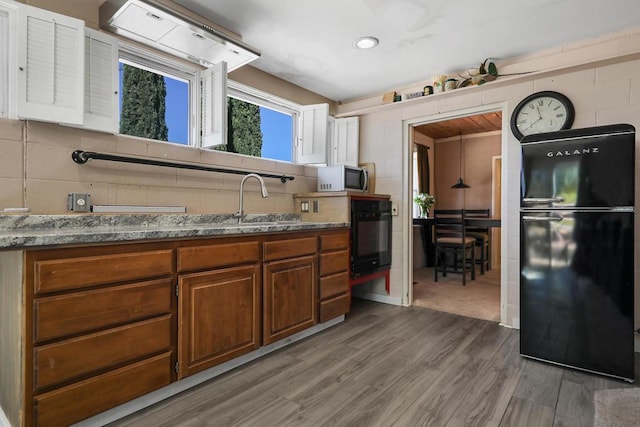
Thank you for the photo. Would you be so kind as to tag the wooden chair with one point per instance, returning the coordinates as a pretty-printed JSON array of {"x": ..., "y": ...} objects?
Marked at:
[
  {"x": 481, "y": 234},
  {"x": 454, "y": 250}
]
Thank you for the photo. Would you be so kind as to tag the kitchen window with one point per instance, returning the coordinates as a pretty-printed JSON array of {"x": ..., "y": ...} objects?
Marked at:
[
  {"x": 170, "y": 90},
  {"x": 79, "y": 85},
  {"x": 273, "y": 134},
  {"x": 277, "y": 119}
]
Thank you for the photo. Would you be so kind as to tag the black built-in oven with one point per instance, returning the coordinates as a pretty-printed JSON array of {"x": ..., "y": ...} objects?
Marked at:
[{"x": 370, "y": 236}]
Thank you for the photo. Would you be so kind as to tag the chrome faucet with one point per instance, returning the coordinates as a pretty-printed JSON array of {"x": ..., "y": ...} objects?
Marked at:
[{"x": 265, "y": 193}]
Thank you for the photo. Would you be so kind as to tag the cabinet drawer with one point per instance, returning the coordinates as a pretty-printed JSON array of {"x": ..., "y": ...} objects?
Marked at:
[
  {"x": 334, "y": 284},
  {"x": 77, "y": 357},
  {"x": 290, "y": 248},
  {"x": 74, "y": 273},
  {"x": 63, "y": 315},
  {"x": 334, "y": 307},
  {"x": 84, "y": 399},
  {"x": 330, "y": 242},
  {"x": 334, "y": 262},
  {"x": 213, "y": 256}
]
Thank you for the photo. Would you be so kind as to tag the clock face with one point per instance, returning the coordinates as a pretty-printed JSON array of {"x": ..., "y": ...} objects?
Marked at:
[{"x": 542, "y": 112}]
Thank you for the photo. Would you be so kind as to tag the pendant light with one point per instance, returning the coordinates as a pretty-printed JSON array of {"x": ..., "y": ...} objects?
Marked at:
[{"x": 460, "y": 184}]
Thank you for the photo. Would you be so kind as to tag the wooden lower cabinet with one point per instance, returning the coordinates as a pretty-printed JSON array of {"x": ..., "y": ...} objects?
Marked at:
[
  {"x": 99, "y": 329},
  {"x": 219, "y": 314},
  {"x": 105, "y": 324},
  {"x": 73, "y": 403},
  {"x": 290, "y": 297},
  {"x": 335, "y": 295}
]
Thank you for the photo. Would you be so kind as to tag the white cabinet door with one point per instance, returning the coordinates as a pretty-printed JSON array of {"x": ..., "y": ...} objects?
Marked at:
[
  {"x": 100, "y": 82},
  {"x": 345, "y": 140},
  {"x": 50, "y": 76},
  {"x": 4, "y": 62},
  {"x": 214, "y": 106},
  {"x": 312, "y": 142},
  {"x": 8, "y": 12}
]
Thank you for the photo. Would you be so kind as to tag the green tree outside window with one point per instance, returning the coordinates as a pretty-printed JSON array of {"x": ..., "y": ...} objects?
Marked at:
[{"x": 143, "y": 104}]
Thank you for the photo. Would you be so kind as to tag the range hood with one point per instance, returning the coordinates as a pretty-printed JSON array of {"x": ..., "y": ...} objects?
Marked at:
[{"x": 156, "y": 25}]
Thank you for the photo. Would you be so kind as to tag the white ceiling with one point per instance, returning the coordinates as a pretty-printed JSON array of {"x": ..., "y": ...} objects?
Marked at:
[{"x": 309, "y": 43}]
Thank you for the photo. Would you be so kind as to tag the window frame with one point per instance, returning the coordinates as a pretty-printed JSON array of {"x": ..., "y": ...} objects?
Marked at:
[
  {"x": 193, "y": 74},
  {"x": 266, "y": 100},
  {"x": 143, "y": 59}
]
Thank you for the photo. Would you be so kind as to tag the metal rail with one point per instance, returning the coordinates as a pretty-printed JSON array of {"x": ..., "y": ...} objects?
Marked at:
[{"x": 82, "y": 157}]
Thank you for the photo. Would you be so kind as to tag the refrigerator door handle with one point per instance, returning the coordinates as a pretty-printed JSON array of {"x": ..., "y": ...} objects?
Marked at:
[
  {"x": 542, "y": 218},
  {"x": 530, "y": 200}
]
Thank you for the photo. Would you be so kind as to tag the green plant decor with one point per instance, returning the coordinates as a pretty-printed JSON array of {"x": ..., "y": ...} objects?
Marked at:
[{"x": 424, "y": 202}]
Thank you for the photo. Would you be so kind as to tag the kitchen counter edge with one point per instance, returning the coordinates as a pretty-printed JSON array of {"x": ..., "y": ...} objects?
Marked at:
[{"x": 33, "y": 231}]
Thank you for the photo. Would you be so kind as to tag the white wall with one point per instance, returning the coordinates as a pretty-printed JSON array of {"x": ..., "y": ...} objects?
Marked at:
[{"x": 602, "y": 79}]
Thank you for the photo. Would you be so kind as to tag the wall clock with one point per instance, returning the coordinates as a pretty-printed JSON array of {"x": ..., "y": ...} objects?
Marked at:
[{"x": 546, "y": 111}]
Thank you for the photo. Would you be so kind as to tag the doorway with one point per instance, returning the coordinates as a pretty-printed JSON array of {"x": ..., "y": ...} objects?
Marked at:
[{"x": 467, "y": 148}]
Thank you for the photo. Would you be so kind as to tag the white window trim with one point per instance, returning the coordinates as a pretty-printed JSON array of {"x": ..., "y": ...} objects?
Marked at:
[{"x": 264, "y": 99}]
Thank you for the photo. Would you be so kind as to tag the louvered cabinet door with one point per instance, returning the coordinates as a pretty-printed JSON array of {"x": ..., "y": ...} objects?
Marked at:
[
  {"x": 101, "y": 82},
  {"x": 50, "y": 65}
]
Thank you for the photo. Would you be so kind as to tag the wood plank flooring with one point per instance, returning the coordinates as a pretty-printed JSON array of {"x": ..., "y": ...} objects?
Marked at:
[{"x": 390, "y": 366}]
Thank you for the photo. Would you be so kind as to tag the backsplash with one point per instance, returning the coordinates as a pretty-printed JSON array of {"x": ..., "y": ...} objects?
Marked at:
[{"x": 37, "y": 172}]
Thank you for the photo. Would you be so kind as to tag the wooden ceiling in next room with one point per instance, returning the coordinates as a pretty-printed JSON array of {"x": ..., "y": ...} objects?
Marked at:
[{"x": 480, "y": 123}]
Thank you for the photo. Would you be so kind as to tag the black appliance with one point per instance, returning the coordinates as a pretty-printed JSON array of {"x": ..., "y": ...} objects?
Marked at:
[
  {"x": 370, "y": 236},
  {"x": 576, "y": 249}
]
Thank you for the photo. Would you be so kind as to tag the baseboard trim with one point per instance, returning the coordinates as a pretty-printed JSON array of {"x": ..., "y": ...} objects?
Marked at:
[
  {"x": 376, "y": 297},
  {"x": 149, "y": 399}
]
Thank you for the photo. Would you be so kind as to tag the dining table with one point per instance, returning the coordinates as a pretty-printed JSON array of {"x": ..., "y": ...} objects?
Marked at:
[{"x": 427, "y": 232}]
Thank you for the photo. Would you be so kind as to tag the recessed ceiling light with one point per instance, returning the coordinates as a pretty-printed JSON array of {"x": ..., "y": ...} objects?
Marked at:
[{"x": 366, "y": 42}]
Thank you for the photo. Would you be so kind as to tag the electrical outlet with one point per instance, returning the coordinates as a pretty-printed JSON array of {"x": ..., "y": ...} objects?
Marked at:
[
  {"x": 394, "y": 209},
  {"x": 79, "y": 202}
]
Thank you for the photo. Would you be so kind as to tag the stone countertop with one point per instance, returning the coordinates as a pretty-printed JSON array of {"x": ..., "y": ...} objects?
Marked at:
[{"x": 31, "y": 231}]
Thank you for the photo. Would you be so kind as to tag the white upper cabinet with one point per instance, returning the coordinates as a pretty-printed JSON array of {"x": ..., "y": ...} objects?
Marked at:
[
  {"x": 8, "y": 12},
  {"x": 327, "y": 141},
  {"x": 344, "y": 144},
  {"x": 214, "y": 106},
  {"x": 312, "y": 141},
  {"x": 100, "y": 82},
  {"x": 50, "y": 61}
]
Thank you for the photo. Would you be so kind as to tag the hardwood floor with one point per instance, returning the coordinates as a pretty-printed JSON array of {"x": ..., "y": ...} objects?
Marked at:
[{"x": 390, "y": 366}]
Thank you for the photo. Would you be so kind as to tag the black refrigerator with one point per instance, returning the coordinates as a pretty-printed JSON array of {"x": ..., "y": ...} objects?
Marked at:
[{"x": 576, "y": 249}]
